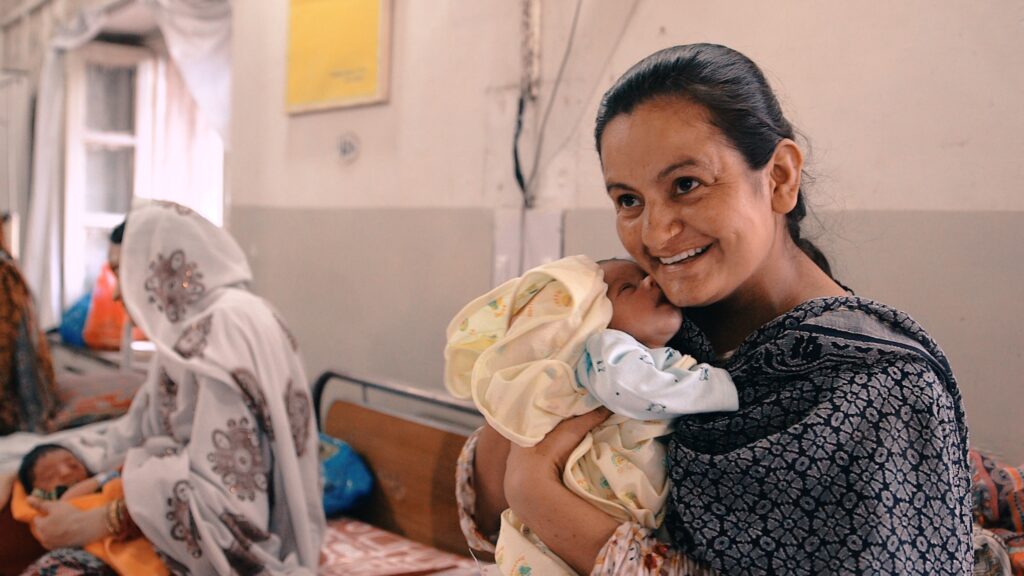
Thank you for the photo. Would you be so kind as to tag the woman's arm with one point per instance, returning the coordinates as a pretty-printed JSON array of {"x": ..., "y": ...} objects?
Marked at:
[
  {"x": 571, "y": 527},
  {"x": 489, "y": 472}
]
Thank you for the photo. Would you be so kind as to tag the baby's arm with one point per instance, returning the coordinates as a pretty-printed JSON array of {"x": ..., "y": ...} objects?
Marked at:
[
  {"x": 651, "y": 384},
  {"x": 89, "y": 485}
]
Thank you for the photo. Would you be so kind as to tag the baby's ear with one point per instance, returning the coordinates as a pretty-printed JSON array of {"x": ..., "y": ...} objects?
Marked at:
[{"x": 785, "y": 170}]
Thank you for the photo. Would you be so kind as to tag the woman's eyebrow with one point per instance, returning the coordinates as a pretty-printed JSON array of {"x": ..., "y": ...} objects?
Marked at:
[
  {"x": 686, "y": 163},
  {"x": 609, "y": 186},
  {"x": 677, "y": 165}
]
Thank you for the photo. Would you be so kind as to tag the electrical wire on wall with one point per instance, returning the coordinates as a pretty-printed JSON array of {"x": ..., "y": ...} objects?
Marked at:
[
  {"x": 592, "y": 39},
  {"x": 527, "y": 89},
  {"x": 588, "y": 61}
]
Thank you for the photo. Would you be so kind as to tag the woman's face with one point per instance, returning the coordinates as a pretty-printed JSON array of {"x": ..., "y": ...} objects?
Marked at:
[{"x": 688, "y": 208}]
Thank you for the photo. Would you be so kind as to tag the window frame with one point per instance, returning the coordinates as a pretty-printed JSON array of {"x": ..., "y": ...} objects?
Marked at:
[{"x": 78, "y": 220}]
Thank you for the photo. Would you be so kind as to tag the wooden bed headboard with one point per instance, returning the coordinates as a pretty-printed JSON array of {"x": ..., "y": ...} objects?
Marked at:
[{"x": 413, "y": 465}]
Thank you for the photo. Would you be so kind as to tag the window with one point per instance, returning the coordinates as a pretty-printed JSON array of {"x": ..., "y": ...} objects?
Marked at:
[
  {"x": 132, "y": 129},
  {"x": 109, "y": 120}
]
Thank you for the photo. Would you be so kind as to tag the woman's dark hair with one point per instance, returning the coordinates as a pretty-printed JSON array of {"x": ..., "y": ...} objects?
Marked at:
[
  {"x": 117, "y": 234},
  {"x": 737, "y": 97},
  {"x": 27, "y": 470}
]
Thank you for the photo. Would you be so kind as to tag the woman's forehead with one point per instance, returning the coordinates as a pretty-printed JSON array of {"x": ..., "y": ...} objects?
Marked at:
[{"x": 657, "y": 135}]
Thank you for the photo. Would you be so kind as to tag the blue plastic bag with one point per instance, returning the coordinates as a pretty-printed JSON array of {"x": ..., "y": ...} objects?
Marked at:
[
  {"x": 347, "y": 480},
  {"x": 73, "y": 322}
]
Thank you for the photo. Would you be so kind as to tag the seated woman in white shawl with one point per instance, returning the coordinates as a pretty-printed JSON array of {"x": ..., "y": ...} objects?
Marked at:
[{"x": 219, "y": 448}]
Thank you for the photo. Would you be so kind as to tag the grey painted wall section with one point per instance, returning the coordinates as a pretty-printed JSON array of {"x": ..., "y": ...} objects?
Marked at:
[
  {"x": 960, "y": 274},
  {"x": 369, "y": 290}
]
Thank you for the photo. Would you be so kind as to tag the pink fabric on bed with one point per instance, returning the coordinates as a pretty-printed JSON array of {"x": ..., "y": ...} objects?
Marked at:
[{"x": 354, "y": 548}]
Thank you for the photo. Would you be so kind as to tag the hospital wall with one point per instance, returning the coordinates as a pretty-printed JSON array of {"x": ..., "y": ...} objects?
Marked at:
[{"x": 916, "y": 136}]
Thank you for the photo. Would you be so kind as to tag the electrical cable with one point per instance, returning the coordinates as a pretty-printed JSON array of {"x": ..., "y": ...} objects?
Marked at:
[{"x": 528, "y": 190}]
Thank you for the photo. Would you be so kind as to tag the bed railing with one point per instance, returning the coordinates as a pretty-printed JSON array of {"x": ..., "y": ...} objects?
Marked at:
[{"x": 427, "y": 406}]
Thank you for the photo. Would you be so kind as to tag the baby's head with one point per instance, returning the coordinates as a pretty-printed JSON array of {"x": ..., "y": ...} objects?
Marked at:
[
  {"x": 639, "y": 308},
  {"x": 48, "y": 467}
]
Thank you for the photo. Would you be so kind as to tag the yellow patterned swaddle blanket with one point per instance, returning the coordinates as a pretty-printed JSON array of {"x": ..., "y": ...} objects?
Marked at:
[{"x": 521, "y": 376}]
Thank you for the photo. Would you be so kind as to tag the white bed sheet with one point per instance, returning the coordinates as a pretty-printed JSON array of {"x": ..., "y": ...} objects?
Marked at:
[{"x": 13, "y": 447}]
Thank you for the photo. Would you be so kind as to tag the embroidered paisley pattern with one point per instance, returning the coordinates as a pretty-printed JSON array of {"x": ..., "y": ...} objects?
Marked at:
[
  {"x": 243, "y": 561},
  {"x": 173, "y": 566},
  {"x": 254, "y": 399},
  {"x": 244, "y": 531},
  {"x": 183, "y": 525},
  {"x": 298, "y": 405},
  {"x": 167, "y": 398},
  {"x": 193, "y": 340},
  {"x": 173, "y": 284},
  {"x": 240, "y": 555},
  {"x": 238, "y": 459}
]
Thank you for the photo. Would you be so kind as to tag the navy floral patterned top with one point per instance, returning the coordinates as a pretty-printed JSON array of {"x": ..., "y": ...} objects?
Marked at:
[{"x": 848, "y": 453}]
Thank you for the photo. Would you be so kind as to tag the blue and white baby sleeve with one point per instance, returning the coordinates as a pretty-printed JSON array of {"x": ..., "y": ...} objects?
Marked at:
[{"x": 651, "y": 384}]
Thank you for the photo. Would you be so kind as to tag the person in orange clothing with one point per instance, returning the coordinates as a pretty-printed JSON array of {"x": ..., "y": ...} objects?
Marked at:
[{"x": 52, "y": 476}]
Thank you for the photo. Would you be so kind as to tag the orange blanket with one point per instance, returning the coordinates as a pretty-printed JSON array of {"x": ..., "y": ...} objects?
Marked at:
[{"x": 135, "y": 556}]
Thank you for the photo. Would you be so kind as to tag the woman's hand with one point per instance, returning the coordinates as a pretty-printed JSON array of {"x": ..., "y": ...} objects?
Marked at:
[
  {"x": 546, "y": 460},
  {"x": 87, "y": 486},
  {"x": 570, "y": 526},
  {"x": 61, "y": 525}
]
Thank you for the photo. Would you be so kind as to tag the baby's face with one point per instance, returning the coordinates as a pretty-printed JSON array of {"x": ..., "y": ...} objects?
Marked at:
[
  {"x": 58, "y": 468},
  {"x": 639, "y": 308}
]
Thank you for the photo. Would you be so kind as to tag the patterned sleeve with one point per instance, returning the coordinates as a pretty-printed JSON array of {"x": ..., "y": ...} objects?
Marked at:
[
  {"x": 632, "y": 549},
  {"x": 465, "y": 496}
]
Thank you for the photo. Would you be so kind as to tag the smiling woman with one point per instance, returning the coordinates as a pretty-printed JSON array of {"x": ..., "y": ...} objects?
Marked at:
[{"x": 849, "y": 449}]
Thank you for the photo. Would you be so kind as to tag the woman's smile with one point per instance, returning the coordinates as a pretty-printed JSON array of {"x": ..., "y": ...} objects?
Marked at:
[{"x": 685, "y": 256}]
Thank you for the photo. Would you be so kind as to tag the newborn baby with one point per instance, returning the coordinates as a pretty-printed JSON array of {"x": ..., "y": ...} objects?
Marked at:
[
  {"x": 628, "y": 368},
  {"x": 52, "y": 472},
  {"x": 561, "y": 340}
]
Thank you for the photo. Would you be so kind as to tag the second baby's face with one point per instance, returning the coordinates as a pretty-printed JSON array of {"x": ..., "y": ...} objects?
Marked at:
[
  {"x": 639, "y": 308},
  {"x": 58, "y": 468}
]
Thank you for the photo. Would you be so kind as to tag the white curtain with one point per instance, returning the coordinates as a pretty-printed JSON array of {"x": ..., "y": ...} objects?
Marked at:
[
  {"x": 41, "y": 263},
  {"x": 14, "y": 87},
  {"x": 188, "y": 153},
  {"x": 198, "y": 35}
]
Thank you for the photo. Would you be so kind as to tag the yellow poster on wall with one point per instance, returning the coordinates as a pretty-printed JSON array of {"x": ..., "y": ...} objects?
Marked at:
[{"x": 337, "y": 53}]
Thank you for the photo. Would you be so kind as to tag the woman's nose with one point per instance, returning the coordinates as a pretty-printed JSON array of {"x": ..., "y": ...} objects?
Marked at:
[{"x": 661, "y": 224}]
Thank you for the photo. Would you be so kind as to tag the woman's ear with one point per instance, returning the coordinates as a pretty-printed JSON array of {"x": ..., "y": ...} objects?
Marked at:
[{"x": 786, "y": 165}]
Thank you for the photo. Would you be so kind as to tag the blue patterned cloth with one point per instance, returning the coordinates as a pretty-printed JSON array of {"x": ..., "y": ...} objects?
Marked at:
[
  {"x": 69, "y": 562},
  {"x": 848, "y": 453}
]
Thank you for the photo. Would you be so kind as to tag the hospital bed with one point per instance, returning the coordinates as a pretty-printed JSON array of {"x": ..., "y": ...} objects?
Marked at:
[{"x": 410, "y": 438}]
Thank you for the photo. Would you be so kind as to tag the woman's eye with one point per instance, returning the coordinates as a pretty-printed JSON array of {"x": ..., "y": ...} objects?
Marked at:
[
  {"x": 627, "y": 201},
  {"x": 685, "y": 185}
]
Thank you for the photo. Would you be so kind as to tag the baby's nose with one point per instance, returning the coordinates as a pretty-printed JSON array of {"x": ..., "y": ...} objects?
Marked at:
[{"x": 648, "y": 283}]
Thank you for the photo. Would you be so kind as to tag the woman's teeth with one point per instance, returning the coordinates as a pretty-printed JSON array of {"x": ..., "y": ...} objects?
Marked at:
[{"x": 684, "y": 255}]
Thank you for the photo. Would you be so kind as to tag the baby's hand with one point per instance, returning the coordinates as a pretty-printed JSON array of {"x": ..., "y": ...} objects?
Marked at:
[{"x": 87, "y": 486}]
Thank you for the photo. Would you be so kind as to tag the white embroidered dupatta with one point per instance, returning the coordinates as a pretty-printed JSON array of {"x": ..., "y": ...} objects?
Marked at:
[{"x": 220, "y": 447}]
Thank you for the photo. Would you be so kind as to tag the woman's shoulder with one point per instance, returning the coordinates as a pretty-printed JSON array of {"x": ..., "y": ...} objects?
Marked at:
[{"x": 850, "y": 323}]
